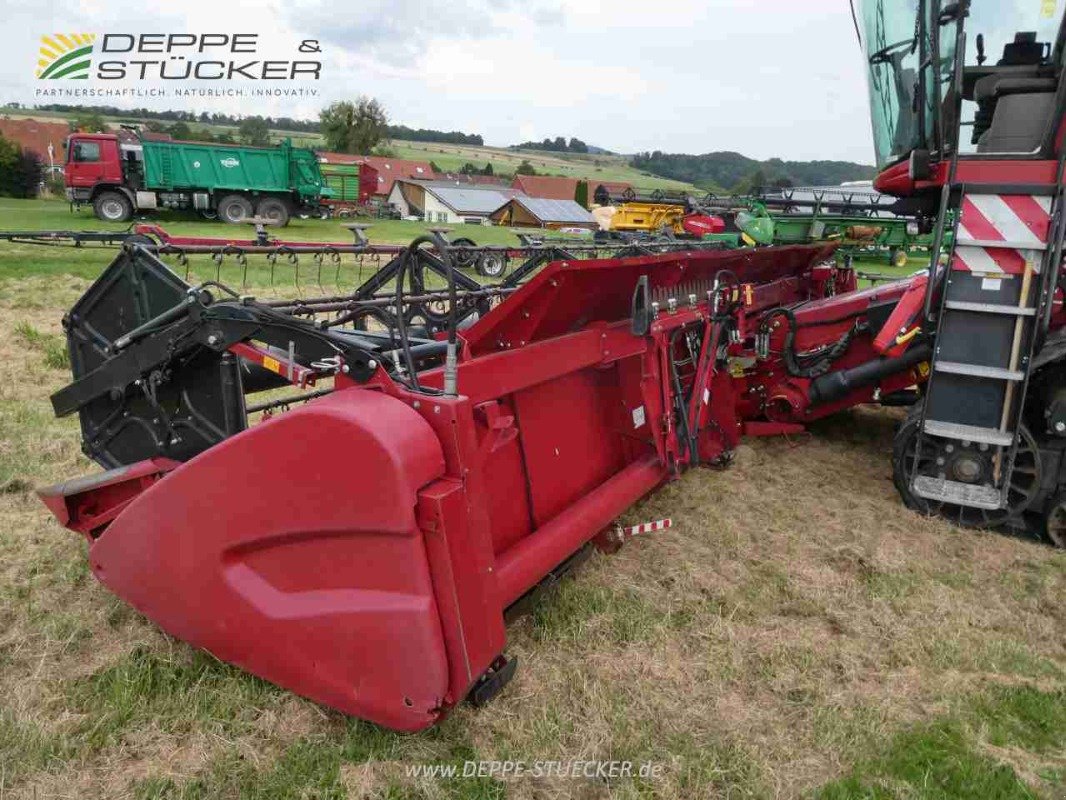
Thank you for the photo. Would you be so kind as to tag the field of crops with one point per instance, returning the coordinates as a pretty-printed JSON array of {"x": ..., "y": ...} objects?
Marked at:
[{"x": 797, "y": 633}]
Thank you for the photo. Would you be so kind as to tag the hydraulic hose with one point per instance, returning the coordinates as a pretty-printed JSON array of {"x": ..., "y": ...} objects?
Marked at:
[
  {"x": 451, "y": 367},
  {"x": 809, "y": 365}
]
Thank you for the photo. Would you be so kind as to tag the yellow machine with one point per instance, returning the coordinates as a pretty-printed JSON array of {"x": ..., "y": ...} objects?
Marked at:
[{"x": 646, "y": 217}]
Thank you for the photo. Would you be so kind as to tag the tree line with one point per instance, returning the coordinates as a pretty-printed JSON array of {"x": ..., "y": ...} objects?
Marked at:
[
  {"x": 557, "y": 145},
  {"x": 191, "y": 118},
  {"x": 735, "y": 172}
]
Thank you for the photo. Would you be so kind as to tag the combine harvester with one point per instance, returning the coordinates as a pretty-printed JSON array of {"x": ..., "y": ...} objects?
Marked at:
[{"x": 364, "y": 548}]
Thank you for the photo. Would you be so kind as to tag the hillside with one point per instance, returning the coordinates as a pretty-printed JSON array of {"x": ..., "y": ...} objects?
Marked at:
[
  {"x": 603, "y": 167},
  {"x": 730, "y": 170},
  {"x": 719, "y": 171},
  {"x": 450, "y": 157}
]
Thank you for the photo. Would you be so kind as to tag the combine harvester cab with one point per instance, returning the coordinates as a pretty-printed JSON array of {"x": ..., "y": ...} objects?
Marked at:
[{"x": 362, "y": 549}]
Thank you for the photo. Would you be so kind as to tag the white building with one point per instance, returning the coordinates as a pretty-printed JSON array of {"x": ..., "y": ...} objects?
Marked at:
[{"x": 448, "y": 202}]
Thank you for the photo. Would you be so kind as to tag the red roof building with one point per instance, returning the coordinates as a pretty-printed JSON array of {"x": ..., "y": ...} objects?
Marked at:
[
  {"x": 35, "y": 135},
  {"x": 389, "y": 169},
  {"x": 612, "y": 188},
  {"x": 549, "y": 187}
]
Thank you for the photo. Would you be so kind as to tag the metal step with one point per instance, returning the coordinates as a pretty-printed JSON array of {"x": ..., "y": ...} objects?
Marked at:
[
  {"x": 968, "y": 433},
  {"x": 978, "y": 371},
  {"x": 963, "y": 494},
  {"x": 989, "y": 308}
]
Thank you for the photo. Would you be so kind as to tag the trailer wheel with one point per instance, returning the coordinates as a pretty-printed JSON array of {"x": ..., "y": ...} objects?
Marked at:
[
  {"x": 464, "y": 258},
  {"x": 234, "y": 208},
  {"x": 491, "y": 264},
  {"x": 273, "y": 209},
  {"x": 112, "y": 207}
]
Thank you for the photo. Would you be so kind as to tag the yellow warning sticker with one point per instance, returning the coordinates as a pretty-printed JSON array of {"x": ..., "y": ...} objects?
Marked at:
[
  {"x": 1047, "y": 8},
  {"x": 923, "y": 369},
  {"x": 272, "y": 364}
]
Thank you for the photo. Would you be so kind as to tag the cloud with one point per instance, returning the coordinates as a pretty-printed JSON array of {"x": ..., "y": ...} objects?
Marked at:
[
  {"x": 397, "y": 31},
  {"x": 761, "y": 77}
]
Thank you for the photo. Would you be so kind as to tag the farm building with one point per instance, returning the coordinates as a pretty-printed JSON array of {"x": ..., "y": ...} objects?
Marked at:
[
  {"x": 37, "y": 136},
  {"x": 549, "y": 187},
  {"x": 479, "y": 180},
  {"x": 448, "y": 201},
  {"x": 537, "y": 212},
  {"x": 392, "y": 169},
  {"x": 608, "y": 189}
]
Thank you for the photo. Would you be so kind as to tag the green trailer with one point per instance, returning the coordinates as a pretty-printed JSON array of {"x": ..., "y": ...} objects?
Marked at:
[{"x": 231, "y": 182}]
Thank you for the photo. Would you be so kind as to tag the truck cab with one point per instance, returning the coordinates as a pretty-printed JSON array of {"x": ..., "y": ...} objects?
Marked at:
[{"x": 95, "y": 173}]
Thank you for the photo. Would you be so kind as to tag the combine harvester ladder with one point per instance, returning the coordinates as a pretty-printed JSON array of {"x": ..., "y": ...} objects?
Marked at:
[{"x": 995, "y": 290}]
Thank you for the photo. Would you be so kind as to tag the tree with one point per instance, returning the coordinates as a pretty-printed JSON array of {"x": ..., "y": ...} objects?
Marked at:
[
  {"x": 21, "y": 171},
  {"x": 525, "y": 168},
  {"x": 577, "y": 146},
  {"x": 180, "y": 130},
  {"x": 254, "y": 131},
  {"x": 353, "y": 127},
  {"x": 433, "y": 166},
  {"x": 753, "y": 181},
  {"x": 29, "y": 174},
  {"x": 468, "y": 169},
  {"x": 488, "y": 169},
  {"x": 91, "y": 122},
  {"x": 9, "y": 153}
]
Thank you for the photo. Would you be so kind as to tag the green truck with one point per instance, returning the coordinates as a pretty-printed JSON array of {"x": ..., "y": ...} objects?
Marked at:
[{"x": 227, "y": 182}]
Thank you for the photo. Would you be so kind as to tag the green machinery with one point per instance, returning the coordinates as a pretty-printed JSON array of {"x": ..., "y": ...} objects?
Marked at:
[{"x": 860, "y": 222}]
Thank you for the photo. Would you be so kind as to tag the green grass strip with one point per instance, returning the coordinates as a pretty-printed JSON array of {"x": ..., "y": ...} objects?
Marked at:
[
  {"x": 59, "y": 63},
  {"x": 943, "y": 760}
]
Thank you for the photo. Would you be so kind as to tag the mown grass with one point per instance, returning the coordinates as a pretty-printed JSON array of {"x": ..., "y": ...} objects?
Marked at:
[
  {"x": 948, "y": 758},
  {"x": 796, "y": 633}
]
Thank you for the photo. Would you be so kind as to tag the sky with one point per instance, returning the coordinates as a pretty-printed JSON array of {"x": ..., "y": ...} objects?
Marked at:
[{"x": 762, "y": 77}]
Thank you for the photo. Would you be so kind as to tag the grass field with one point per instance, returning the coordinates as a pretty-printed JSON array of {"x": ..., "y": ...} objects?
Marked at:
[
  {"x": 796, "y": 634},
  {"x": 451, "y": 157}
]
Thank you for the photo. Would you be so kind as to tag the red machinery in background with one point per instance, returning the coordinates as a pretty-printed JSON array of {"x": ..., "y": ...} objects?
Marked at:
[
  {"x": 375, "y": 535},
  {"x": 363, "y": 548}
]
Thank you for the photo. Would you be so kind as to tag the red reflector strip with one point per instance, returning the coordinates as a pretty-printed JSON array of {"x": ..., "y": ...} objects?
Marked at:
[{"x": 648, "y": 527}]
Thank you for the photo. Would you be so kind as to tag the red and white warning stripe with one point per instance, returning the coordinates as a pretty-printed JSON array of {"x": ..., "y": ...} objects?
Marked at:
[
  {"x": 1002, "y": 233},
  {"x": 648, "y": 527}
]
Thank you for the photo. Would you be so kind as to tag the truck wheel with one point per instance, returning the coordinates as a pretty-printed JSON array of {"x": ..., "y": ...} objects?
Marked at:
[
  {"x": 112, "y": 207},
  {"x": 234, "y": 208},
  {"x": 273, "y": 209}
]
